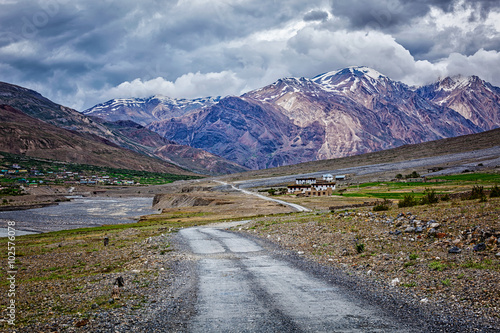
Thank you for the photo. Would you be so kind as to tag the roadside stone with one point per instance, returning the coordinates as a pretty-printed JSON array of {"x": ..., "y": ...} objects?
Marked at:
[
  {"x": 455, "y": 250},
  {"x": 434, "y": 225},
  {"x": 410, "y": 229},
  {"x": 432, "y": 231},
  {"x": 395, "y": 282},
  {"x": 479, "y": 247}
]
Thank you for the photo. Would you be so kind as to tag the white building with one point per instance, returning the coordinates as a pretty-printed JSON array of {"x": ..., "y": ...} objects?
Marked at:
[
  {"x": 301, "y": 181},
  {"x": 328, "y": 177}
]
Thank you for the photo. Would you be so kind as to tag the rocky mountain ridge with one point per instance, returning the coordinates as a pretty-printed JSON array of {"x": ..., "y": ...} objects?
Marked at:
[
  {"x": 340, "y": 113},
  {"x": 146, "y": 110}
]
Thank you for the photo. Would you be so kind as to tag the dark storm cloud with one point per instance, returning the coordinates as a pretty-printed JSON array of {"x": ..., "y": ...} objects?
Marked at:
[
  {"x": 391, "y": 14},
  {"x": 81, "y": 52},
  {"x": 316, "y": 15}
]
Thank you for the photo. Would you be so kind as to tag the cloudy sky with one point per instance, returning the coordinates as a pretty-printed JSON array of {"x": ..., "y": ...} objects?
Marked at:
[{"x": 83, "y": 52}]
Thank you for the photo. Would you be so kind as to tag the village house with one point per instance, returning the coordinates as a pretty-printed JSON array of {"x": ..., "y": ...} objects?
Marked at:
[
  {"x": 314, "y": 187},
  {"x": 328, "y": 177},
  {"x": 301, "y": 181}
]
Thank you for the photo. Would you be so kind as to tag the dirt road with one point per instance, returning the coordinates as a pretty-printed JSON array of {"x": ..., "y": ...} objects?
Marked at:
[{"x": 298, "y": 208}]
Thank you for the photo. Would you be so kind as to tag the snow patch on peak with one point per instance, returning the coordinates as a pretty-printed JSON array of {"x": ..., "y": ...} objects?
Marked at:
[
  {"x": 453, "y": 83},
  {"x": 370, "y": 72},
  {"x": 367, "y": 71}
]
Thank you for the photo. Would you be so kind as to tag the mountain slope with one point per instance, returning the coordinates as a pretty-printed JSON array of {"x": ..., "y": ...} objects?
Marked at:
[
  {"x": 244, "y": 133},
  {"x": 472, "y": 97},
  {"x": 194, "y": 159},
  {"x": 23, "y": 134},
  {"x": 457, "y": 145}
]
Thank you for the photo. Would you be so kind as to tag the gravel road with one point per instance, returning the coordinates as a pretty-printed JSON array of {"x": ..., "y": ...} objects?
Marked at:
[
  {"x": 244, "y": 287},
  {"x": 298, "y": 208}
]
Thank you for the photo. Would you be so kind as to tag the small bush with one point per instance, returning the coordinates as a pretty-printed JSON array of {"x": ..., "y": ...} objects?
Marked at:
[
  {"x": 476, "y": 193},
  {"x": 445, "y": 197},
  {"x": 413, "y": 256},
  {"x": 360, "y": 247},
  {"x": 414, "y": 174},
  {"x": 384, "y": 205},
  {"x": 446, "y": 282},
  {"x": 429, "y": 197},
  {"x": 408, "y": 201},
  {"x": 495, "y": 192},
  {"x": 437, "y": 266}
]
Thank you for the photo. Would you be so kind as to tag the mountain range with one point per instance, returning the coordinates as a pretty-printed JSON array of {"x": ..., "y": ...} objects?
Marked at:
[
  {"x": 33, "y": 125},
  {"x": 341, "y": 113}
]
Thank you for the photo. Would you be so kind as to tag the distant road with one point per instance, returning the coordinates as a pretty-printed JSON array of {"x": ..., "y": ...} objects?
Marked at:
[{"x": 298, "y": 208}]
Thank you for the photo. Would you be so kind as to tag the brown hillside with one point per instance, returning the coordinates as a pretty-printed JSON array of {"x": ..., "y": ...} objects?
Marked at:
[{"x": 22, "y": 134}]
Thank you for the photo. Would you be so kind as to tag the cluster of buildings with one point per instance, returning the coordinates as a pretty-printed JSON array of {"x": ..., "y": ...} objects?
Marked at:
[
  {"x": 26, "y": 176},
  {"x": 312, "y": 186}
]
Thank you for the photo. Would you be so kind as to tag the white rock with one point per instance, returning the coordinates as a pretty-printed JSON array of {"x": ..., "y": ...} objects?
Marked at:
[
  {"x": 300, "y": 252},
  {"x": 424, "y": 300},
  {"x": 395, "y": 282}
]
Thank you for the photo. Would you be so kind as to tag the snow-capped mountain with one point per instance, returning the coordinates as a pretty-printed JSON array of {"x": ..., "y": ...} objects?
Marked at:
[
  {"x": 473, "y": 98},
  {"x": 146, "y": 110},
  {"x": 350, "y": 111}
]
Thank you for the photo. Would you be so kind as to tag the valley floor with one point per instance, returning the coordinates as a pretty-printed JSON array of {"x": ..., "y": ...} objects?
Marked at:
[{"x": 66, "y": 280}]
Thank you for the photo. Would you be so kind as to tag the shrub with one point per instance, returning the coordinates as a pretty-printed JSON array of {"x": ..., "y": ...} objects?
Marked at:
[
  {"x": 429, "y": 197},
  {"x": 414, "y": 174},
  {"x": 445, "y": 197},
  {"x": 437, "y": 266},
  {"x": 360, "y": 247},
  {"x": 476, "y": 193},
  {"x": 495, "y": 192},
  {"x": 399, "y": 176},
  {"x": 408, "y": 201},
  {"x": 384, "y": 205}
]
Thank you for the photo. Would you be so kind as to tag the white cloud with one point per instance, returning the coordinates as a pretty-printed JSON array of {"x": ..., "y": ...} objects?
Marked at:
[{"x": 189, "y": 85}]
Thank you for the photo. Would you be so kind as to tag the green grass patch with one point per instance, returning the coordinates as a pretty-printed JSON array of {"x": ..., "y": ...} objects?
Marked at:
[
  {"x": 472, "y": 177},
  {"x": 437, "y": 266},
  {"x": 485, "y": 264}
]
